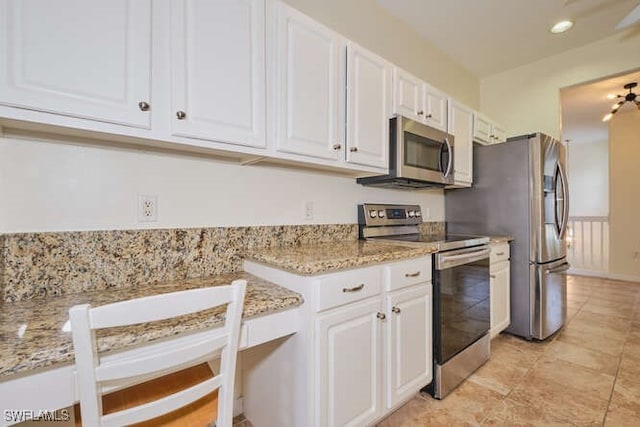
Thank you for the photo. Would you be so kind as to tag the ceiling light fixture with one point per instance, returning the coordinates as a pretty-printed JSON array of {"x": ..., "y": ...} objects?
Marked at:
[
  {"x": 629, "y": 97},
  {"x": 561, "y": 27}
]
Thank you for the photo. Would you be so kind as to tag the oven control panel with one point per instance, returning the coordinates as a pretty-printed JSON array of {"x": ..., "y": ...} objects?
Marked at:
[{"x": 379, "y": 214}]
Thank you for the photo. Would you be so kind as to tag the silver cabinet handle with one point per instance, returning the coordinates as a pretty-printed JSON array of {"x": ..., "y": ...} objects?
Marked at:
[
  {"x": 493, "y": 276},
  {"x": 337, "y": 147},
  {"x": 181, "y": 115},
  {"x": 353, "y": 149},
  {"x": 381, "y": 316},
  {"x": 428, "y": 116},
  {"x": 395, "y": 309},
  {"x": 354, "y": 289},
  {"x": 144, "y": 106},
  {"x": 416, "y": 274},
  {"x": 420, "y": 112}
]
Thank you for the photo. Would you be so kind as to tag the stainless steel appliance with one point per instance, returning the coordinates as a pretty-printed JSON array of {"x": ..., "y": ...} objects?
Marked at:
[
  {"x": 520, "y": 189},
  {"x": 461, "y": 310},
  {"x": 419, "y": 156}
]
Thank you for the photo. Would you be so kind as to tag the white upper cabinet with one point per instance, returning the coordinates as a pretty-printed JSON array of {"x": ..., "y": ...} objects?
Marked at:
[
  {"x": 435, "y": 103},
  {"x": 88, "y": 59},
  {"x": 485, "y": 131},
  {"x": 368, "y": 107},
  {"x": 408, "y": 96},
  {"x": 417, "y": 100},
  {"x": 461, "y": 126},
  {"x": 308, "y": 85},
  {"x": 218, "y": 70}
]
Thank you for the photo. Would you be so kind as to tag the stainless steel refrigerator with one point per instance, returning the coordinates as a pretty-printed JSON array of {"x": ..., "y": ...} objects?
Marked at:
[{"x": 520, "y": 189}]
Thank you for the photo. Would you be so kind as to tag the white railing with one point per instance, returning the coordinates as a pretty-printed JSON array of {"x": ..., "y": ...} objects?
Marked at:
[{"x": 588, "y": 244}]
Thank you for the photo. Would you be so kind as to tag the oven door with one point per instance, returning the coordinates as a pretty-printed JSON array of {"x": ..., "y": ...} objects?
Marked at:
[
  {"x": 462, "y": 312},
  {"x": 422, "y": 153}
]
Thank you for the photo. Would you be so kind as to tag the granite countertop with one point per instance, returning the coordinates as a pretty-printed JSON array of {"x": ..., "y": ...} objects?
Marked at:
[
  {"x": 32, "y": 336},
  {"x": 310, "y": 260}
]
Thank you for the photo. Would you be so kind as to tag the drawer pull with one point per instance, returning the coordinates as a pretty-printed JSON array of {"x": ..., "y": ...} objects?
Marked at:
[
  {"x": 416, "y": 274},
  {"x": 395, "y": 309},
  {"x": 493, "y": 276},
  {"x": 354, "y": 289},
  {"x": 381, "y": 316},
  {"x": 499, "y": 253}
]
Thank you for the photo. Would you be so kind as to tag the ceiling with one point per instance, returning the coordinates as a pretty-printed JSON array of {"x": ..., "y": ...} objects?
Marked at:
[
  {"x": 583, "y": 107},
  {"x": 490, "y": 36}
]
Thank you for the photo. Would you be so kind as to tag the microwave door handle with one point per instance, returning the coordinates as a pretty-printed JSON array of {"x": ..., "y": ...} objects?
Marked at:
[
  {"x": 450, "y": 162},
  {"x": 440, "y": 159}
]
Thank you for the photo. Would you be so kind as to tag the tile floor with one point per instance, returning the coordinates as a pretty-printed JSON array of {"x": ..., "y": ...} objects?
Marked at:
[{"x": 587, "y": 374}]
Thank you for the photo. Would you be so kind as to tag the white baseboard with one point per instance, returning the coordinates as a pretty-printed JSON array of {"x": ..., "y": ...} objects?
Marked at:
[{"x": 604, "y": 275}]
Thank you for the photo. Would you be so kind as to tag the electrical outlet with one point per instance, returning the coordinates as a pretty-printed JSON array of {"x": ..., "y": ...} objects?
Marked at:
[
  {"x": 147, "y": 208},
  {"x": 308, "y": 210}
]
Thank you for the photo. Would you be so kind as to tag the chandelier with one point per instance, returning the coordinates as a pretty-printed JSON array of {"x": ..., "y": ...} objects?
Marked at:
[{"x": 629, "y": 97}]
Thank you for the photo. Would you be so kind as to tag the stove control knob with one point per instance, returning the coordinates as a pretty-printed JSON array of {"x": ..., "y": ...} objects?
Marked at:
[
  {"x": 412, "y": 214},
  {"x": 418, "y": 214},
  {"x": 373, "y": 214},
  {"x": 380, "y": 214}
]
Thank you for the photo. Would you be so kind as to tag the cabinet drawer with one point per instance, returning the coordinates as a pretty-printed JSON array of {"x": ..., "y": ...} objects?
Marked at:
[
  {"x": 406, "y": 273},
  {"x": 499, "y": 252},
  {"x": 345, "y": 287}
]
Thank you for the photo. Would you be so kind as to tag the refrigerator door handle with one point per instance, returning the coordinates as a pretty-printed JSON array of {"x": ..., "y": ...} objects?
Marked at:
[
  {"x": 559, "y": 269},
  {"x": 565, "y": 202}
]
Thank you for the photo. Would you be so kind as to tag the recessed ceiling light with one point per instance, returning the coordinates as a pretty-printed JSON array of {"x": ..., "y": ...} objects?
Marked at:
[{"x": 561, "y": 27}]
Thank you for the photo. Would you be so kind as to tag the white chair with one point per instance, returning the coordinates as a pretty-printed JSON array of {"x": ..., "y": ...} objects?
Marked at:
[{"x": 93, "y": 374}]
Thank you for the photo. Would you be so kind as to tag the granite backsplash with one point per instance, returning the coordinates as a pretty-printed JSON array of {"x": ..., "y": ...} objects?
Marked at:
[{"x": 55, "y": 263}]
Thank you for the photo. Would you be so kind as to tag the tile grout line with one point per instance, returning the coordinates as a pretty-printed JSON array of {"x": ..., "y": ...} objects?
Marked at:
[{"x": 615, "y": 380}]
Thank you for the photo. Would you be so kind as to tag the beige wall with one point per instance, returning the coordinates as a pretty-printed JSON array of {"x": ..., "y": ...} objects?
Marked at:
[
  {"x": 624, "y": 146},
  {"x": 527, "y": 99},
  {"x": 368, "y": 24},
  {"x": 588, "y": 170}
]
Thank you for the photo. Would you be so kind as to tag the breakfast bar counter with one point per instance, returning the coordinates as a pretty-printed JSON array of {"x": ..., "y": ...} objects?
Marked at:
[{"x": 36, "y": 357}]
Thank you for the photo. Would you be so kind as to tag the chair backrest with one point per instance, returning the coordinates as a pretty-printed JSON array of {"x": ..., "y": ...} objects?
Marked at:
[{"x": 92, "y": 373}]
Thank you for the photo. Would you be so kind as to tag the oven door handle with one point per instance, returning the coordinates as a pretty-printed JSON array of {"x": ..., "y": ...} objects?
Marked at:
[{"x": 474, "y": 254}]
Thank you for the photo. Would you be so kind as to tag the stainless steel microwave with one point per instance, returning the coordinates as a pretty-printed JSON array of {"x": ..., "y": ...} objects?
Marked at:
[{"x": 419, "y": 156}]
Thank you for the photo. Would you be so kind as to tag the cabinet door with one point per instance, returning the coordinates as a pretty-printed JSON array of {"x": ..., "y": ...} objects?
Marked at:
[
  {"x": 218, "y": 70},
  {"x": 368, "y": 106},
  {"x": 482, "y": 129},
  {"x": 407, "y": 95},
  {"x": 87, "y": 59},
  {"x": 349, "y": 365},
  {"x": 498, "y": 133},
  {"x": 500, "y": 297},
  {"x": 435, "y": 103},
  {"x": 309, "y": 86},
  {"x": 461, "y": 126},
  {"x": 409, "y": 342}
]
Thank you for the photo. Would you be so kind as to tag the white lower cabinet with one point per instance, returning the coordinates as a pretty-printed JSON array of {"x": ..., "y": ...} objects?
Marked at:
[
  {"x": 350, "y": 365},
  {"x": 409, "y": 346},
  {"x": 500, "y": 271},
  {"x": 364, "y": 346}
]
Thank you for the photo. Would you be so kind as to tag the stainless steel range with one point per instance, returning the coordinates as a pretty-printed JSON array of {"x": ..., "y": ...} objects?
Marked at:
[{"x": 461, "y": 310}]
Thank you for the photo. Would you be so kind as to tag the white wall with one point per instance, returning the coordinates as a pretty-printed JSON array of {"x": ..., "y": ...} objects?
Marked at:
[
  {"x": 588, "y": 170},
  {"x": 52, "y": 186},
  {"x": 527, "y": 99}
]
